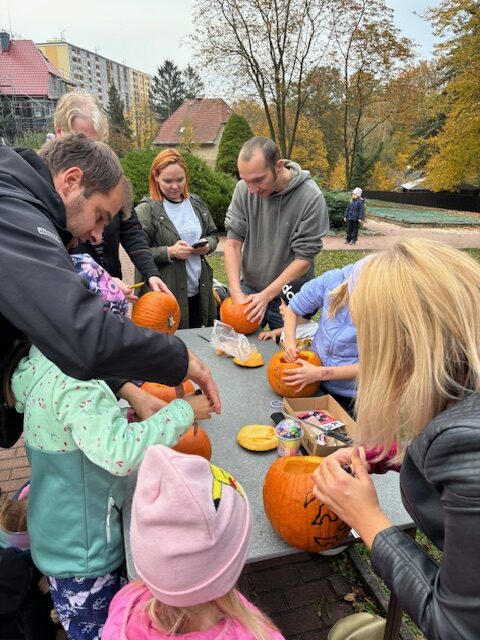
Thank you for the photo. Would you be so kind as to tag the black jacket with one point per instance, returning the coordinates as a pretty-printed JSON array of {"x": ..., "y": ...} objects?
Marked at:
[
  {"x": 129, "y": 233},
  {"x": 41, "y": 296},
  {"x": 440, "y": 483}
]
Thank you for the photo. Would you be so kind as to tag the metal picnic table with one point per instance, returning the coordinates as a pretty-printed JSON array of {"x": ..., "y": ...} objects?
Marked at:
[{"x": 246, "y": 397}]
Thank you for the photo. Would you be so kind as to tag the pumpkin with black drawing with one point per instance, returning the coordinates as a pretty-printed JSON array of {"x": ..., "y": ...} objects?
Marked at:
[
  {"x": 292, "y": 509},
  {"x": 157, "y": 310},
  {"x": 277, "y": 367},
  {"x": 166, "y": 393},
  {"x": 195, "y": 443},
  {"x": 234, "y": 315}
]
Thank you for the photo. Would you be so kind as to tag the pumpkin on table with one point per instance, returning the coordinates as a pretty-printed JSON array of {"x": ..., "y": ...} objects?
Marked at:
[
  {"x": 166, "y": 393},
  {"x": 292, "y": 509},
  {"x": 234, "y": 315},
  {"x": 278, "y": 365},
  {"x": 157, "y": 310},
  {"x": 195, "y": 443}
]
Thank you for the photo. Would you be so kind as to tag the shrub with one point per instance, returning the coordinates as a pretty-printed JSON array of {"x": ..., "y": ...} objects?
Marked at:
[
  {"x": 337, "y": 203},
  {"x": 213, "y": 187},
  {"x": 236, "y": 132}
]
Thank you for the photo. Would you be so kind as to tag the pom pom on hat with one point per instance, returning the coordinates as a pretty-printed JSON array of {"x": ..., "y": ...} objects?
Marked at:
[{"x": 191, "y": 528}]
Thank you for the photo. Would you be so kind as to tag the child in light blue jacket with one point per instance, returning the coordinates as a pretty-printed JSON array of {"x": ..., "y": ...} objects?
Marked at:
[
  {"x": 335, "y": 341},
  {"x": 81, "y": 450}
]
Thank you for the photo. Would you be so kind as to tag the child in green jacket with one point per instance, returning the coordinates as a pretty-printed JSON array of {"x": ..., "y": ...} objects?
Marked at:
[{"x": 81, "y": 449}]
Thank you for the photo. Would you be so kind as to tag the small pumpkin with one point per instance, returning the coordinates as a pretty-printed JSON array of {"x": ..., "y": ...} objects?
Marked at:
[
  {"x": 294, "y": 512},
  {"x": 166, "y": 393},
  {"x": 195, "y": 443},
  {"x": 234, "y": 315},
  {"x": 157, "y": 310},
  {"x": 278, "y": 365},
  {"x": 255, "y": 359}
]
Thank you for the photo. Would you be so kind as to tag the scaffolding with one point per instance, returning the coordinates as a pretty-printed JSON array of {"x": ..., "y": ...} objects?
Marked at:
[{"x": 22, "y": 115}]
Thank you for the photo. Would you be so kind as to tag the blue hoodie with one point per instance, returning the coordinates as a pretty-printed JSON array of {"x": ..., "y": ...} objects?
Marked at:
[{"x": 335, "y": 341}]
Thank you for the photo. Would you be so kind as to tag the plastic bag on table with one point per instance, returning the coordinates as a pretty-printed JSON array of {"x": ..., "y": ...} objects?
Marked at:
[{"x": 227, "y": 341}]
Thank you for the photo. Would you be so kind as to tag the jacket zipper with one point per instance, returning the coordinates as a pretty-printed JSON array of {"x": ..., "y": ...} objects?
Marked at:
[{"x": 110, "y": 505}]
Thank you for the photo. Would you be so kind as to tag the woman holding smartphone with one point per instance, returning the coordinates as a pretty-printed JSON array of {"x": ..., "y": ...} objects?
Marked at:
[{"x": 180, "y": 232}]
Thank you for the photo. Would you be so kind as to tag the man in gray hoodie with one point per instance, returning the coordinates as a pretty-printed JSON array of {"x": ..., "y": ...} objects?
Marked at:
[{"x": 274, "y": 225}]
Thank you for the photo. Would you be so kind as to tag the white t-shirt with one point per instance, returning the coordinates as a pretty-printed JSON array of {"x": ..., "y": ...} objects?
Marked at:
[{"x": 189, "y": 229}]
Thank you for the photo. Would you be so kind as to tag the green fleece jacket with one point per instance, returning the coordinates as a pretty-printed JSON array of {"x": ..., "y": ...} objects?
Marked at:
[
  {"x": 287, "y": 225},
  {"x": 81, "y": 448}
]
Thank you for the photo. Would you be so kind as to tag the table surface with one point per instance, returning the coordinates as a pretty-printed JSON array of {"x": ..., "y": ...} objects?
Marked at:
[{"x": 246, "y": 396}]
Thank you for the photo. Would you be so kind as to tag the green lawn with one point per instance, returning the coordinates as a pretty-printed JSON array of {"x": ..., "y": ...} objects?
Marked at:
[{"x": 325, "y": 261}]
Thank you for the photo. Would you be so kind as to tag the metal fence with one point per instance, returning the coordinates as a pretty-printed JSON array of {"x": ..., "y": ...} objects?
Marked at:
[{"x": 461, "y": 201}]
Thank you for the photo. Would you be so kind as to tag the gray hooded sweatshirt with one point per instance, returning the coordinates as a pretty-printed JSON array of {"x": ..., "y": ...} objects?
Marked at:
[{"x": 287, "y": 225}]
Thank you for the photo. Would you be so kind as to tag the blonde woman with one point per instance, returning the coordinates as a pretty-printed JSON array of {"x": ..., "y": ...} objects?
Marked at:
[{"x": 416, "y": 308}]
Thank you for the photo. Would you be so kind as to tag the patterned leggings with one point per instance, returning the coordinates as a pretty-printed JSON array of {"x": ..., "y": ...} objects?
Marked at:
[{"x": 82, "y": 603}]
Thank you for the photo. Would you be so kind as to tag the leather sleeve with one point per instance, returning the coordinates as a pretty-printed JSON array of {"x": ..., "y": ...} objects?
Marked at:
[{"x": 444, "y": 601}]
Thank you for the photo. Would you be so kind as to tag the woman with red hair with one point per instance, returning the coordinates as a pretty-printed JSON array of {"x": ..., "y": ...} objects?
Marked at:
[{"x": 180, "y": 232}]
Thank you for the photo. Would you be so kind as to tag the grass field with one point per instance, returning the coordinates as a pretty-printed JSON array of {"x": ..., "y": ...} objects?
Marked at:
[{"x": 325, "y": 261}]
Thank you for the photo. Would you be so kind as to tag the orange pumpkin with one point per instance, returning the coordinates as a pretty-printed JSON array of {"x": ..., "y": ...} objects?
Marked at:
[
  {"x": 165, "y": 392},
  {"x": 234, "y": 315},
  {"x": 292, "y": 509},
  {"x": 278, "y": 365},
  {"x": 157, "y": 310},
  {"x": 195, "y": 443}
]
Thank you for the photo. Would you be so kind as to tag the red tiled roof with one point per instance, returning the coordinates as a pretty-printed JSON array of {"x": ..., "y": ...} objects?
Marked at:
[
  {"x": 24, "y": 70},
  {"x": 207, "y": 115}
]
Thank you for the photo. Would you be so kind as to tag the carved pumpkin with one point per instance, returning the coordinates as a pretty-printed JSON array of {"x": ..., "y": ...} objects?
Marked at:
[
  {"x": 197, "y": 444},
  {"x": 234, "y": 315},
  {"x": 165, "y": 392},
  {"x": 292, "y": 509},
  {"x": 275, "y": 370},
  {"x": 157, "y": 310}
]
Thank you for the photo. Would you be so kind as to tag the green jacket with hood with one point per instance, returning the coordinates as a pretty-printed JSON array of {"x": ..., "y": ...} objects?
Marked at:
[
  {"x": 161, "y": 234},
  {"x": 81, "y": 449},
  {"x": 275, "y": 231}
]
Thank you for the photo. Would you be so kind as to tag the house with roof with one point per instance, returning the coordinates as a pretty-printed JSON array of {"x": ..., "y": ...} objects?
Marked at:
[
  {"x": 30, "y": 87},
  {"x": 197, "y": 123}
]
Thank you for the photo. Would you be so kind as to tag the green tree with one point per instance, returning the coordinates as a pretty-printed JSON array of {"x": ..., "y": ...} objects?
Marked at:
[
  {"x": 167, "y": 91},
  {"x": 458, "y": 157},
  {"x": 194, "y": 87},
  {"x": 120, "y": 135},
  {"x": 236, "y": 132}
]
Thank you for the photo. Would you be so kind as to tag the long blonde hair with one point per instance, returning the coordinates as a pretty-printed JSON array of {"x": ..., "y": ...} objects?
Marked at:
[
  {"x": 175, "y": 620},
  {"x": 416, "y": 309}
]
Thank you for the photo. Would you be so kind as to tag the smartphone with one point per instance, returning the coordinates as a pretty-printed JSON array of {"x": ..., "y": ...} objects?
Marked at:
[{"x": 200, "y": 243}]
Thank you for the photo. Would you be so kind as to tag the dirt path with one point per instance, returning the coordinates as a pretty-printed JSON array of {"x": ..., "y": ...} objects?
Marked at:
[{"x": 460, "y": 237}]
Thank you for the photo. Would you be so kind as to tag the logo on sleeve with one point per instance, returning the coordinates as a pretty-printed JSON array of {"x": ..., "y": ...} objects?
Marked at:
[{"x": 45, "y": 232}]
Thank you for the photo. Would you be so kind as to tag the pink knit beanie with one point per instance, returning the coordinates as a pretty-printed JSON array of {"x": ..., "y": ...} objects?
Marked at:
[{"x": 191, "y": 528}]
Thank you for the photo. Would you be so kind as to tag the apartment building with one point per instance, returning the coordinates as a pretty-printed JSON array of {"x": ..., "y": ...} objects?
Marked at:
[{"x": 95, "y": 73}]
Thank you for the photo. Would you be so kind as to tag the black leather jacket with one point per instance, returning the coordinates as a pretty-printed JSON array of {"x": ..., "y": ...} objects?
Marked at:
[{"x": 440, "y": 483}]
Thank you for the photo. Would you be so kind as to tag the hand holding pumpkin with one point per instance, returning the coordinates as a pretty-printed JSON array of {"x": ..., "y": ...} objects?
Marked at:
[
  {"x": 256, "y": 306},
  {"x": 157, "y": 284},
  {"x": 352, "y": 497},
  {"x": 201, "y": 405},
  {"x": 304, "y": 374},
  {"x": 144, "y": 404}
]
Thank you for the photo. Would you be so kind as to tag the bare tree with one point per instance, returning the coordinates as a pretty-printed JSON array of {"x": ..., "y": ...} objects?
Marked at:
[
  {"x": 274, "y": 44},
  {"x": 368, "y": 50}
]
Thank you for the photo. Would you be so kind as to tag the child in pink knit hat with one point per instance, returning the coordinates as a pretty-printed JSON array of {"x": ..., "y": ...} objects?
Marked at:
[{"x": 190, "y": 536}]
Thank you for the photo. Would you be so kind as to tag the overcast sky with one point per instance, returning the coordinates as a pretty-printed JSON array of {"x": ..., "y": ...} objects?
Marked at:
[{"x": 143, "y": 33}]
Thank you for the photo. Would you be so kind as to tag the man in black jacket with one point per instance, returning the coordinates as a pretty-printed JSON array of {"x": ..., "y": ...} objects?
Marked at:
[
  {"x": 49, "y": 202},
  {"x": 81, "y": 112}
]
